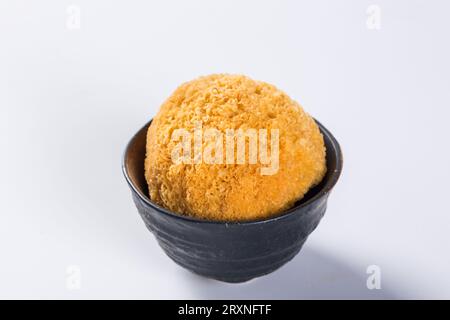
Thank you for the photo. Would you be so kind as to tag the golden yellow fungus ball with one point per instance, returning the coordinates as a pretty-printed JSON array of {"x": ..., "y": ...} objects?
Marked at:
[{"x": 229, "y": 148}]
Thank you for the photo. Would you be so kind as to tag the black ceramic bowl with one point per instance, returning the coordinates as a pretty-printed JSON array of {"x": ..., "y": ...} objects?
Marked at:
[{"x": 231, "y": 252}]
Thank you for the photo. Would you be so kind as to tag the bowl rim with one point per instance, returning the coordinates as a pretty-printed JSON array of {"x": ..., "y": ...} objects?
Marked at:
[{"x": 329, "y": 184}]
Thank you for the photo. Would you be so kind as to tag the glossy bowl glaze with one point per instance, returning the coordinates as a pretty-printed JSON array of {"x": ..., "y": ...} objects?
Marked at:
[{"x": 230, "y": 252}]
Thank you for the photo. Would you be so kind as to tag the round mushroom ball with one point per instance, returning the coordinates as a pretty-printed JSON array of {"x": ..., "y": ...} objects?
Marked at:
[{"x": 228, "y": 148}]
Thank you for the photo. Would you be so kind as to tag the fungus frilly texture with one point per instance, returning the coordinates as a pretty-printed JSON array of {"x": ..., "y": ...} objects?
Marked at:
[{"x": 232, "y": 191}]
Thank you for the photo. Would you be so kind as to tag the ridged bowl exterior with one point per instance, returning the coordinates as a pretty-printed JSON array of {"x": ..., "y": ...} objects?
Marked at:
[{"x": 231, "y": 252}]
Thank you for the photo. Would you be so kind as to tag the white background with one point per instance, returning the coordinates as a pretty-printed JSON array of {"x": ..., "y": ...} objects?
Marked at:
[{"x": 70, "y": 99}]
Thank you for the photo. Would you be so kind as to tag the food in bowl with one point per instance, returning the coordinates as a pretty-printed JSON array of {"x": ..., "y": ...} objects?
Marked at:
[{"x": 228, "y": 148}]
